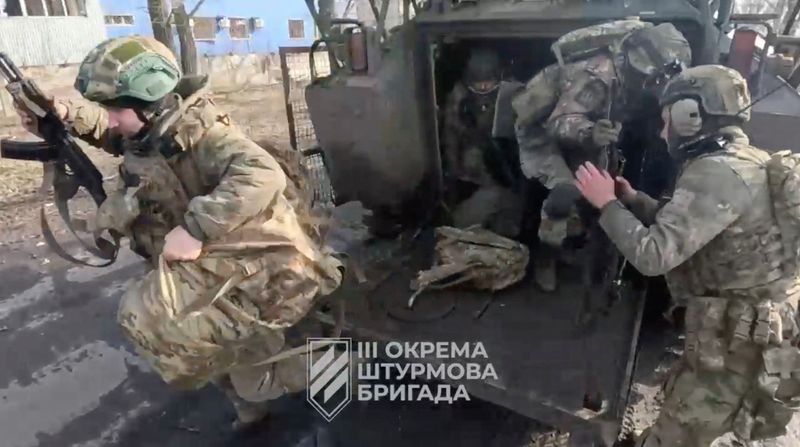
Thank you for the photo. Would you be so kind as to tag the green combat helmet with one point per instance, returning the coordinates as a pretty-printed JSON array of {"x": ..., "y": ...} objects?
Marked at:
[{"x": 122, "y": 69}]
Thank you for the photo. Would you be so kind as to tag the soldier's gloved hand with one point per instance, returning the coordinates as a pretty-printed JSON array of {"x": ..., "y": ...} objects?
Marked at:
[
  {"x": 624, "y": 190},
  {"x": 29, "y": 121},
  {"x": 605, "y": 133},
  {"x": 181, "y": 246},
  {"x": 560, "y": 200}
]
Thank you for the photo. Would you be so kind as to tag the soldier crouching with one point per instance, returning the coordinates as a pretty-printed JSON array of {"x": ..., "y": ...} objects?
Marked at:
[
  {"x": 727, "y": 252},
  {"x": 232, "y": 265}
]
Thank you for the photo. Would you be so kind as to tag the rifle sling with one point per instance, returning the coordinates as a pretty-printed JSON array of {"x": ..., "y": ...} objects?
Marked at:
[{"x": 103, "y": 248}]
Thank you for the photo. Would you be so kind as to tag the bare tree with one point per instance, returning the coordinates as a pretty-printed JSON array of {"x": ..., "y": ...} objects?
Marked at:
[
  {"x": 185, "y": 36},
  {"x": 159, "y": 17}
]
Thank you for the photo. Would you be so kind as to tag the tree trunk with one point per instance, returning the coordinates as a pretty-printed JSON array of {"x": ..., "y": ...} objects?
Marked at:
[
  {"x": 159, "y": 17},
  {"x": 326, "y": 13},
  {"x": 186, "y": 38}
]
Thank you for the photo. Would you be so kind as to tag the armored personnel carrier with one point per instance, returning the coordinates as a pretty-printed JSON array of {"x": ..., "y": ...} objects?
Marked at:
[{"x": 377, "y": 119}]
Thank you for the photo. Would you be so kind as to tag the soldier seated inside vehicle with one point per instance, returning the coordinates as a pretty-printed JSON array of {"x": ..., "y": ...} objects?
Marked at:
[{"x": 482, "y": 173}]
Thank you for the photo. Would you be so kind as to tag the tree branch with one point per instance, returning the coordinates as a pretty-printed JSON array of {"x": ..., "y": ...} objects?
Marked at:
[{"x": 196, "y": 7}]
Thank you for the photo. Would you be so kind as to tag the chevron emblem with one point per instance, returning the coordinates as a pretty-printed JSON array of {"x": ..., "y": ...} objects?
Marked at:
[{"x": 329, "y": 375}]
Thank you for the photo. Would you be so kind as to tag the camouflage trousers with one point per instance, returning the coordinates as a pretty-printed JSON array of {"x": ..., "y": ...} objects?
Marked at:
[
  {"x": 701, "y": 406},
  {"x": 226, "y": 339},
  {"x": 544, "y": 162},
  {"x": 493, "y": 207},
  {"x": 722, "y": 383}
]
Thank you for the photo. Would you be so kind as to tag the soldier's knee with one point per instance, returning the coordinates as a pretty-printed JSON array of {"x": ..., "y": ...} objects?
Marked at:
[{"x": 562, "y": 198}]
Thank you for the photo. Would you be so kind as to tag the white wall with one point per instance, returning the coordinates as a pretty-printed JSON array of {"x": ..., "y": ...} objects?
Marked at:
[{"x": 31, "y": 41}]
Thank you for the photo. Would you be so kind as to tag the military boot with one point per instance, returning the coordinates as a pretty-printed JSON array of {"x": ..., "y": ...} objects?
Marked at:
[
  {"x": 247, "y": 413},
  {"x": 552, "y": 233},
  {"x": 546, "y": 273}
]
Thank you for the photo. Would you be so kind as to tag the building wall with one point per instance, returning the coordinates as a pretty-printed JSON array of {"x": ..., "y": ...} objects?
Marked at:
[
  {"x": 274, "y": 13},
  {"x": 34, "y": 41}
]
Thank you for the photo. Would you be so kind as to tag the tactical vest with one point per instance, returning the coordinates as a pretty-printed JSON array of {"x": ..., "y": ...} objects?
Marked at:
[
  {"x": 743, "y": 292},
  {"x": 150, "y": 165},
  {"x": 162, "y": 200},
  {"x": 747, "y": 260}
]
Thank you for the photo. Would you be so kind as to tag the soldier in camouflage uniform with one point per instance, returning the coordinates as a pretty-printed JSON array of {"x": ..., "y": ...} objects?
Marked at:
[
  {"x": 563, "y": 116},
  {"x": 481, "y": 175},
  {"x": 721, "y": 247},
  {"x": 232, "y": 264}
]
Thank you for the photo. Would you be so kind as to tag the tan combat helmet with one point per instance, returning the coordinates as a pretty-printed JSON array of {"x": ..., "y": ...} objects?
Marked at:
[
  {"x": 721, "y": 91},
  {"x": 134, "y": 67}
]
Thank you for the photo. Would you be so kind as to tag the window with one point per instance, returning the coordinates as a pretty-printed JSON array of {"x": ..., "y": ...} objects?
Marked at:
[
  {"x": 124, "y": 20},
  {"x": 297, "y": 29},
  {"x": 205, "y": 28},
  {"x": 39, "y": 8},
  {"x": 240, "y": 28}
]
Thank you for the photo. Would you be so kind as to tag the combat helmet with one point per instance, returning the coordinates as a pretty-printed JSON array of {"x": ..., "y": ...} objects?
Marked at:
[
  {"x": 721, "y": 91},
  {"x": 703, "y": 99},
  {"x": 128, "y": 71},
  {"x": 653, "y": 55},
  {"x": 483, "y": 66}
]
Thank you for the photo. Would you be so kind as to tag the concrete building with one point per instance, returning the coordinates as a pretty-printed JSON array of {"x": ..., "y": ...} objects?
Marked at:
[
  {"x": 223, "y": 27},
  {"x": 50, "y": 32}
]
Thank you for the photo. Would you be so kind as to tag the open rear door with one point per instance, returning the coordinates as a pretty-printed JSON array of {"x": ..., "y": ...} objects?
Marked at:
[{"x": 366, "y": 115}]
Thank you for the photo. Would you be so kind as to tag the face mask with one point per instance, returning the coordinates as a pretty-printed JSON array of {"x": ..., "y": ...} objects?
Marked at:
[{"x": 483, "y": 87}]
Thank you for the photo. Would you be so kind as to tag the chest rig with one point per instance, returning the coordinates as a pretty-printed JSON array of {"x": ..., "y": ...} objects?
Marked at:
[{"x": 147, "y": 167}]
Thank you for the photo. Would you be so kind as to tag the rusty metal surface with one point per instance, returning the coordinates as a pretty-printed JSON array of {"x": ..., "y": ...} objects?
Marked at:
[
  {"x": 369, "y": 127},
  {"x": 775, "y": 118},
  {"x": 545, "y": 364}
]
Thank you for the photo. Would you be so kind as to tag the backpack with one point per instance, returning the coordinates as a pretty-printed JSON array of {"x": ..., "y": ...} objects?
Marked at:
[
  {"x": 584, "y": 42},
  {"x": 783, "y": 176},
  {"x": 473, "y": 256}
]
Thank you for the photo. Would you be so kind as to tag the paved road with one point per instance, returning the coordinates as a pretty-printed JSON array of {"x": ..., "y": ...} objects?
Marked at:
[{"x": 69, "y": 379}]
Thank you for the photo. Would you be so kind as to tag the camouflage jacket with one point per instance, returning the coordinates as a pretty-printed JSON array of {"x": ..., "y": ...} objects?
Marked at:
[
  {"x": 224, "y": 189},
  {"x": 566, "y": 101},
  {"x": 717, "y": 236},
  {"x": 465, "y": 135}
]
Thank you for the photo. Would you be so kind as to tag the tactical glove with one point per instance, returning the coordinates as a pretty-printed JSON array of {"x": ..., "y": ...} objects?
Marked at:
[{"x": 605, "y": 133}]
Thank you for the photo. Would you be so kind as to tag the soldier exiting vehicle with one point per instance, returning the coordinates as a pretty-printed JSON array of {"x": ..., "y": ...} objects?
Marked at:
[{"x": 564, "y": 118}]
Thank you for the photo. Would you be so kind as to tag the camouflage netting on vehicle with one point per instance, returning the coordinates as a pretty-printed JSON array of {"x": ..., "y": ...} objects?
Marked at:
[
  {"x": 473, "y": 256},
  {"x": 583, "y": 42}
]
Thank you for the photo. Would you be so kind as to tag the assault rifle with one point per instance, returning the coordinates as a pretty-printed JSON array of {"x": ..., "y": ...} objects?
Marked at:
[{"x": 64, "y": 161}]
